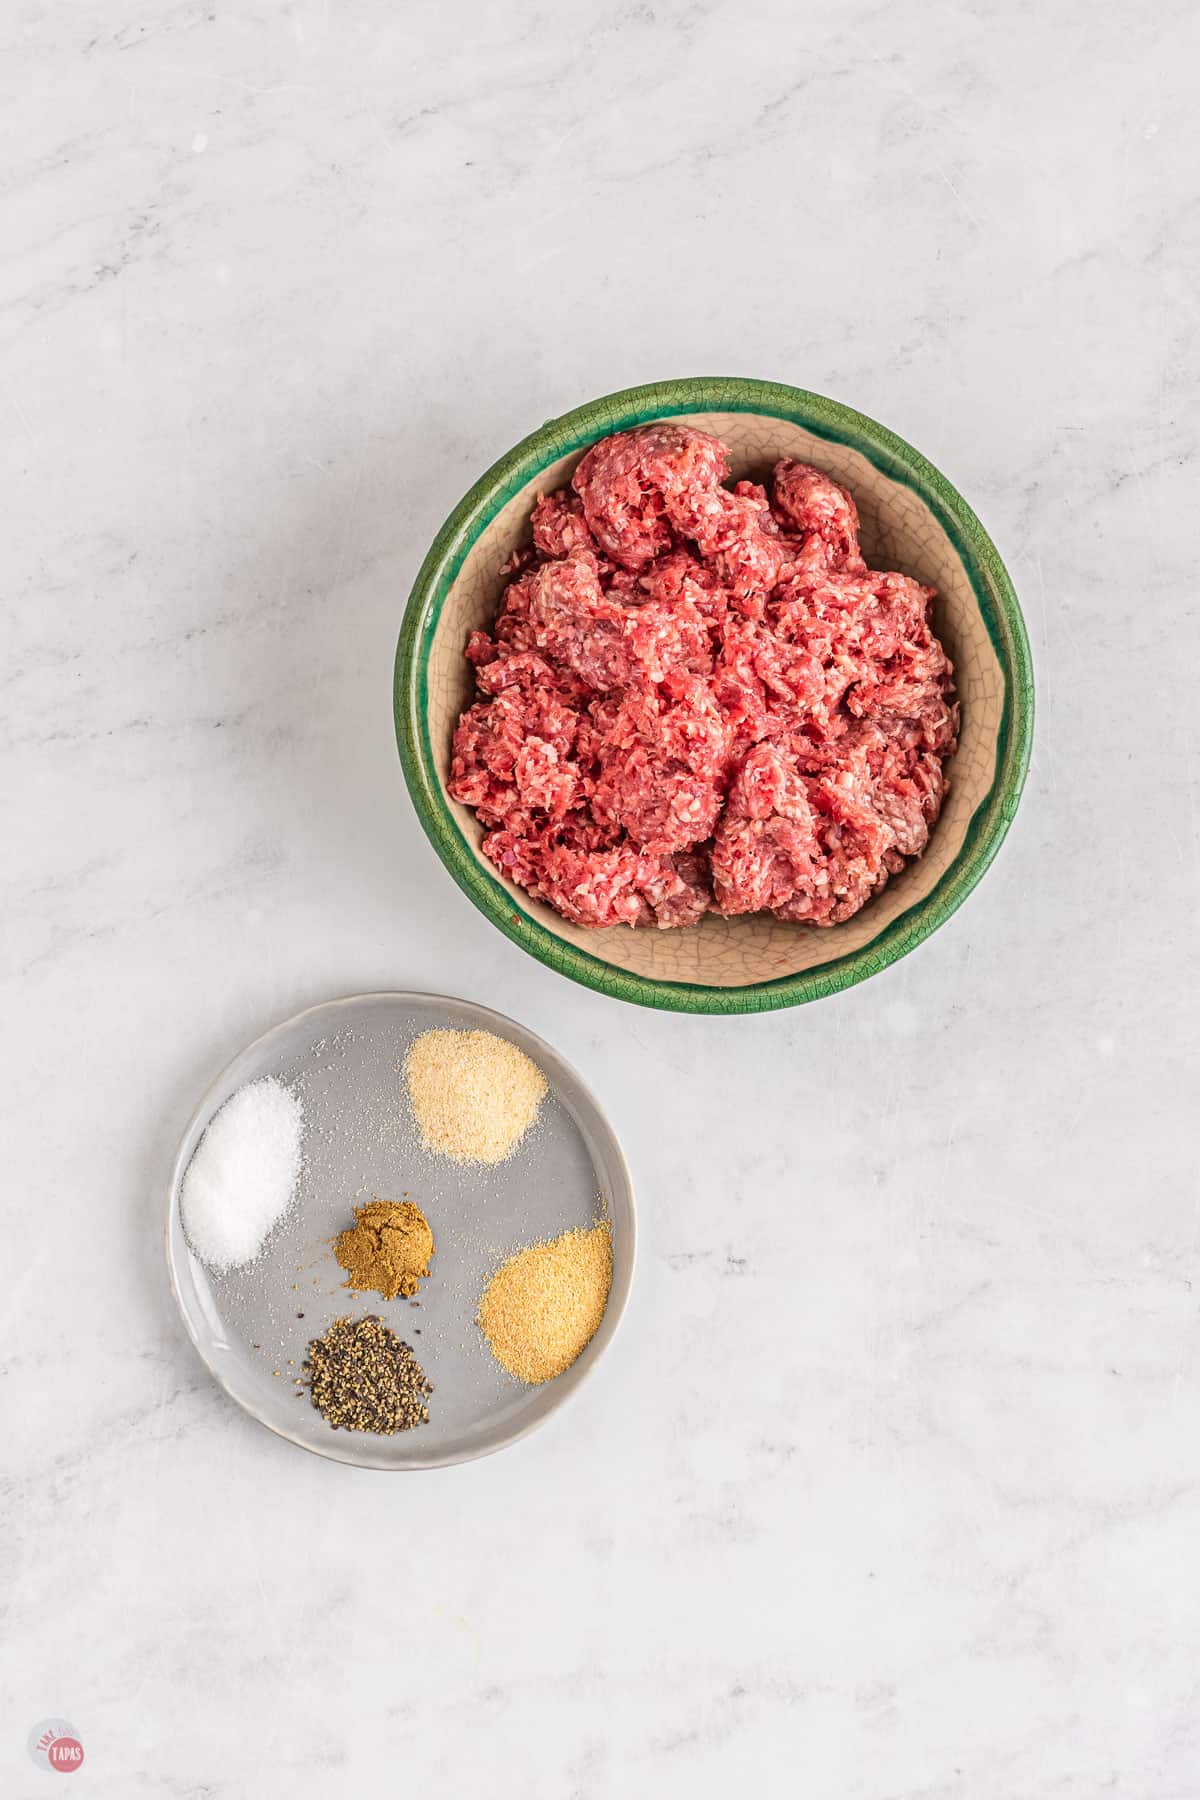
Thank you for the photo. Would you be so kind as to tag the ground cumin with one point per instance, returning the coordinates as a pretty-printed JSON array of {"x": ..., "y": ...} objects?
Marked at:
[
  {"x": 387, "y": 1249},
  {"x": 542, "y": 1307}
]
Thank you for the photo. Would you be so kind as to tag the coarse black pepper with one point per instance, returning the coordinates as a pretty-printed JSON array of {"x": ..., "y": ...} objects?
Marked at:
[{"x": 362, "y": 1377}]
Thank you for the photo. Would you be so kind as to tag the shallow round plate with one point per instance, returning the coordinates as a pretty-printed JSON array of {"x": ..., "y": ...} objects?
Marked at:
[{"x": 252, "y": 1325}]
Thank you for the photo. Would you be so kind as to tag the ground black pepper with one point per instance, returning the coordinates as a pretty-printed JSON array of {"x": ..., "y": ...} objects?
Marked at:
[{"x": 362, "y": 1377}]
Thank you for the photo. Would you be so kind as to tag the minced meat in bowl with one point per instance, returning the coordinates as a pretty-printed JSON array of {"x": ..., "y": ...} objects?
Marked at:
[
  {"x": 700, "y": 698},
  {"x": 657, "y": 673}
]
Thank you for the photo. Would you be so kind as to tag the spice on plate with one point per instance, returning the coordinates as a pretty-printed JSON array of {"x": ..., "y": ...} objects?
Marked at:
[
  {"x": 474, "y": 1095},
  {"x": 387, "y": 1249},
  {"x": 243, "y": 1176},
  {"x": 362, "y": 1377},
  {"x": 542, "y": 1307}
]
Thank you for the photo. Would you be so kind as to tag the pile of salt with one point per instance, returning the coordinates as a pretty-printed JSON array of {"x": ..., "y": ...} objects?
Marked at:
[{"x": 243, "y": 1176}]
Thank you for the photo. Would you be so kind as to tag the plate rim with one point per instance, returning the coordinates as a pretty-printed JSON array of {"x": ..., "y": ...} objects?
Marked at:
[{"x": 205, "y": 1109}]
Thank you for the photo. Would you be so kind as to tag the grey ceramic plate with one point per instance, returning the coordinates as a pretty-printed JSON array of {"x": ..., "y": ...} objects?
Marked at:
[{"x": 360, "y": 1141}]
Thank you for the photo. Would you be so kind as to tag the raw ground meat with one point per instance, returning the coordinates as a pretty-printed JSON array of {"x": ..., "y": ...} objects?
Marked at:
[{"x": 700, "y": 698}]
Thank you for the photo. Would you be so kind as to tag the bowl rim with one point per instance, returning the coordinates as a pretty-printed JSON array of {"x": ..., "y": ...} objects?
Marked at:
[{"x": 822, "y": 417}]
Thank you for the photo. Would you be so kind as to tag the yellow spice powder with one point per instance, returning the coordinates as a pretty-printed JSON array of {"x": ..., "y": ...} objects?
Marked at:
[
  {"x": 542, "y": 1307},
  {"x": 474, "y": 1095},
  {"x": 387, "y": 1249}
]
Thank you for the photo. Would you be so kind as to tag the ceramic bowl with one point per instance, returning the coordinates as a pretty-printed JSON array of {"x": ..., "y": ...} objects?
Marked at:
[{"x": 912, "y": 519}]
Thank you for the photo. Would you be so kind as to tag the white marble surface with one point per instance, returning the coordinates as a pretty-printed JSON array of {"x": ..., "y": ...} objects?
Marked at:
[{"x": 891, "y": 1488}]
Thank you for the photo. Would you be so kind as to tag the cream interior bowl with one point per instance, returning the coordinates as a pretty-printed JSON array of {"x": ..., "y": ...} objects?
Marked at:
[{"x": 912, "y": 520}]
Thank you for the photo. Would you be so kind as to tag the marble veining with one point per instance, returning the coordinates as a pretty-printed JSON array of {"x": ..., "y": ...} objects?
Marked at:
[{"x": 890, "y": 1487}]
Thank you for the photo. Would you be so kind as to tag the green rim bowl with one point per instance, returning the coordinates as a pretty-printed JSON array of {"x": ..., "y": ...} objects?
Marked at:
[{"x": 912, "y": 520}]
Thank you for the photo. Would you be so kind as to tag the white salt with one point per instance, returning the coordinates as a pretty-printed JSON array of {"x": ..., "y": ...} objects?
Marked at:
[{"x": 243, "y": 1176}]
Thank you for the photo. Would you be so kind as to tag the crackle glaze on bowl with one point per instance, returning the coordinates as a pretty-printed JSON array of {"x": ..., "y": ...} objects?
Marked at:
[{"x": 912, "y": 520}]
